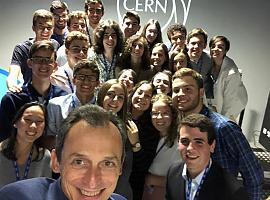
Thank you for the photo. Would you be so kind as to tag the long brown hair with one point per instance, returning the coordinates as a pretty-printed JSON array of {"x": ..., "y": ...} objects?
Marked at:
[
  {"x": 172, "y": 132},
  {"x": 103, "y": 92}
]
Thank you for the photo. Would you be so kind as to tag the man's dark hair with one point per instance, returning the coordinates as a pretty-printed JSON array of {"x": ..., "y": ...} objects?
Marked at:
[
  {"x": 132, "y": 14},
  {"x": 196, "y": 32},
  {"x": 183, "y": 72},
  {"x": 58, "y": 5},
  {"x": 86, "y": 64},
  {"x": 176, "y": 27},
  {"x": 201, "y": 122},
  {"x": 44, "y": 44},
  {"x": 93, "y": 115},
  {"x": 87, "y": 4}
]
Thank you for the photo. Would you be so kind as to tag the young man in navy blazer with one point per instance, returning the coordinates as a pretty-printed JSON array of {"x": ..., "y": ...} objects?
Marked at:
[{"x": 198, "y": 177}]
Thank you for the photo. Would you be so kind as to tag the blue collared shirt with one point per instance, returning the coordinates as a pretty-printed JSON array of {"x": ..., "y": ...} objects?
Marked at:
[
  {"x": 59, "y": 108},
  {"x": 234, "y": 153},
  {"x": 194, "y": 182}
]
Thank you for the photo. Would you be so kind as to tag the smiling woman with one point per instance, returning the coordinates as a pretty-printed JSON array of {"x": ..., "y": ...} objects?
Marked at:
[
  {"x": 21, "y": 155},
  {"x": 107, "y": 46},
  {"x": 164, "y": 119},
  {"x": 112, "y": 96}
]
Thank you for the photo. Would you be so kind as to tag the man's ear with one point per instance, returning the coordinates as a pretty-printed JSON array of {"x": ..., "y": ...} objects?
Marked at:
[
  {"x": 73, "y": 80},
  {"x": 205, "y": 45},
  {"x": 97, "y": 84},
  {"x": 66, "y": 51},
  {"x": 212, "y": 146},
  {"x": 201, "y": 91},
  {"x": 55, "y": 164},
  {"x": 29, "y": 63}
]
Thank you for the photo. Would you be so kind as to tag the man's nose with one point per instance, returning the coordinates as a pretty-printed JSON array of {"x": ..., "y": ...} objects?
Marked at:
[
  {"x": 196, "y": 45},
  {"x": 92, "y": 177},
  {"x": 180, "y": 92},
  {"x": 190, "y": 146}
]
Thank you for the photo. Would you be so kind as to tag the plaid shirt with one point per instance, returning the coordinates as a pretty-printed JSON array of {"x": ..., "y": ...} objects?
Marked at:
[{"x": 233, "y": 153}]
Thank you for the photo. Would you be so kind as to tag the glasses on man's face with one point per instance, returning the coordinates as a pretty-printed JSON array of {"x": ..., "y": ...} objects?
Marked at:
[
  {"x": 92, "y": 11},
  {"x": 78, "y": 50},
  {"x": 58, "y": 17},
  {"x": 41, "y": 60},
  {"x": 42, "y": 28},
  {"x": 83, "y": 77},
  {"x": 176, "y": 37},
  {"x": 78, "y": 26}
]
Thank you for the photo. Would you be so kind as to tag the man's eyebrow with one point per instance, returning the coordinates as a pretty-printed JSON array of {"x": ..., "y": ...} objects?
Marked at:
[
  {"x": 199, "y": 139},
  {"x": 76, "y": 155},
  {"x": 112, "y": 158},
  {"x": 84, "y": 156}
]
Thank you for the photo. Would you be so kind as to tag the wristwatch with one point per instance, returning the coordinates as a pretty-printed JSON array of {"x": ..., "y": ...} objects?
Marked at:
[{"x": 136, "y": 145}]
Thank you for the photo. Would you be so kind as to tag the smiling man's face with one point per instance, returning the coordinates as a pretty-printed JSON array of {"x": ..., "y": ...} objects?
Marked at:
[
  {"x": 91, "y": 161},
  {"x": 194, "y": 149}
]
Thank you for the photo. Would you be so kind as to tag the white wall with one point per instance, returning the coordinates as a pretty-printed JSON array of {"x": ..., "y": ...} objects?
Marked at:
[{"x": 244, "y": 22}]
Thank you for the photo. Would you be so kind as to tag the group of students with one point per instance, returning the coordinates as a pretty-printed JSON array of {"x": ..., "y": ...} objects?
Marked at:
[{"x": 166, "y": 96}]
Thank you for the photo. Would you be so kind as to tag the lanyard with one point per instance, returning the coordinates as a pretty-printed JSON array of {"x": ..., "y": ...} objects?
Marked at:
[
  {"x": 73, "y": 102},
  {"x": 108, "y": 66},
  {"x": 69, "y": 82},
  {"x": 26, "y": 170},
  {"x": 188, "y": 193}
]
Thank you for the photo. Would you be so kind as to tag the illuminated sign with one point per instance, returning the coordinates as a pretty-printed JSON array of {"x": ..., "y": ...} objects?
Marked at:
[{"x": 165, "y": 11}]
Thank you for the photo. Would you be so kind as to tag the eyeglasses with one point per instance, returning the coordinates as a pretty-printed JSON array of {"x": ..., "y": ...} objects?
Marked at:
[
  {"x": 92, "y": 11},
  {"x": 78, "y": 50},
  {"x": 163, "y": 114},
  {"x": 42, "y": 28},
  {"x": 107, "y": 35},
  {"x": 181, "y": 37},
  {"x": 83, "y": 77},
  {"x": 57, "y": 17},
  {"x": 41, "y": 60}
]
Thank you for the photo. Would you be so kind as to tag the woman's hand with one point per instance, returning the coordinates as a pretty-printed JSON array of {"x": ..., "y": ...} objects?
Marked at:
[{"x": 132, "y": 132}]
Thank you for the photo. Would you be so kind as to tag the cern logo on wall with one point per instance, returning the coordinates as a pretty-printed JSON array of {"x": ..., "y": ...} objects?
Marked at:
[{"x": 165, "y": 11}]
